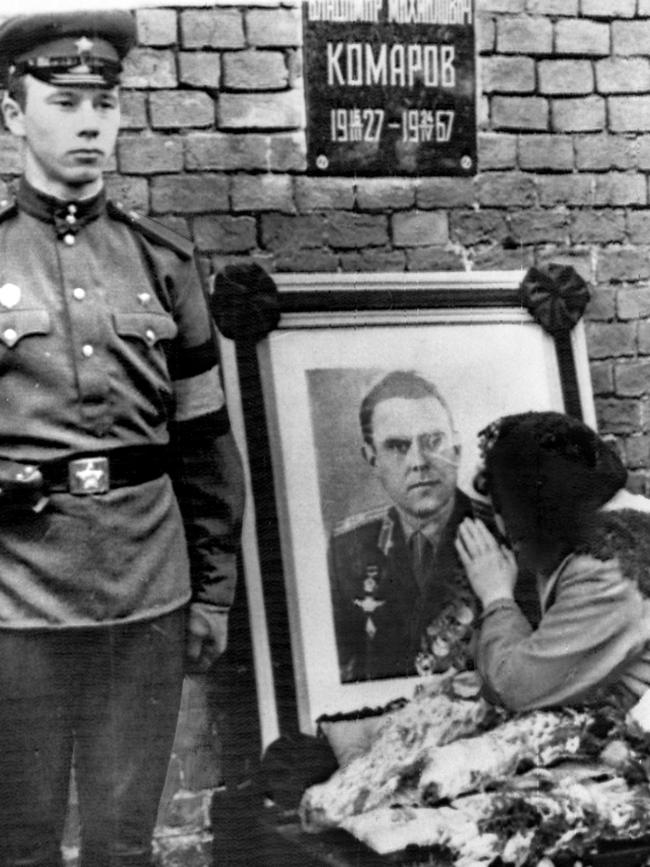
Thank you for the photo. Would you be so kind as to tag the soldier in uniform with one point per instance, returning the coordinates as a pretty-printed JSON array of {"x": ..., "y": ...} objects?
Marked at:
[
  {"x": 394, "y": 570},
  {"x": 121, "y": 491}
]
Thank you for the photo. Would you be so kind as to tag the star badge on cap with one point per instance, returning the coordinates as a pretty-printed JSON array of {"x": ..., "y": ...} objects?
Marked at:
[{"x": 84, "y": 45}]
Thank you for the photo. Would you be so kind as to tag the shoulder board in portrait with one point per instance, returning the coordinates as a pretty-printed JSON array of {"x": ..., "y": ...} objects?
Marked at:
[
  {"x": 361, "y": 519},
  {"x": 8, "y": 208},
  {"x": 152, "y": 230}
]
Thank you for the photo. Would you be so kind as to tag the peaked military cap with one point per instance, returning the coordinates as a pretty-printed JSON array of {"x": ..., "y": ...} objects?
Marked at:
[{"x": 66, "y": 48}]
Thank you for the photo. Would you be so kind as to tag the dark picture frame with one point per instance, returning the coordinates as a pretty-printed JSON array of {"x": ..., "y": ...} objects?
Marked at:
[{"x": 471, "y": 333}]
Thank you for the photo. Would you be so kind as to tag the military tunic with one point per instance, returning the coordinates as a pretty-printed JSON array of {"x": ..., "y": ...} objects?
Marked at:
[
  {"x": 105, "y": 344},
  {"x": 380, "y": 613}
]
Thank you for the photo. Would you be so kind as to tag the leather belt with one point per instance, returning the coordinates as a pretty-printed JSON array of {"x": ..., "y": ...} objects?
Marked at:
[{"x": 88, "y": 474}]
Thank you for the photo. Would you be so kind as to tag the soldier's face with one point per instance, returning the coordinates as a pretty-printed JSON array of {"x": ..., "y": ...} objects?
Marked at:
[
  {"x": 69, "y": 135},
  {"x": 414, "y": 454}
]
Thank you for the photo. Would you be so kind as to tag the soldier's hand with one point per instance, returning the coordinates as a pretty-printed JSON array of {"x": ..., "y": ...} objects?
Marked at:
[{"x": 206, "y": 637}]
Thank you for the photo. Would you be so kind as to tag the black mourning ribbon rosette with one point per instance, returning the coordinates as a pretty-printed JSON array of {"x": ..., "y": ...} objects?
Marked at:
[
  {"x": 244, "y": 303},
  {"x": 556, "y": 297}
]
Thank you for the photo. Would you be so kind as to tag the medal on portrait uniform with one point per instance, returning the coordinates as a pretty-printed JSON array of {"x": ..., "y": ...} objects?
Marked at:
[{"x": 10, "y": 295}]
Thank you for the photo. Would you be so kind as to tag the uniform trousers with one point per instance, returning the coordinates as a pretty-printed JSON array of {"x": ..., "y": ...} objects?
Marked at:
[{"x": 110, "y": 696}]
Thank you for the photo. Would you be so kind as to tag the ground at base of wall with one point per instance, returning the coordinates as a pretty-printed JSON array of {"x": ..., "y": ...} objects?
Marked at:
[
  {"x": 183, "y": 841},
  {"x": 173, "y": 850}
]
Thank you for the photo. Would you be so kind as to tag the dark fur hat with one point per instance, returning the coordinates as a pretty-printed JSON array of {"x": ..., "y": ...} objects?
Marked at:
[{"x": 548, "y": 474}]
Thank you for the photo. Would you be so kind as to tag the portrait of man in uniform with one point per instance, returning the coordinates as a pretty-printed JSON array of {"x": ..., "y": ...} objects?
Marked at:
[{"x": 393, "y": 568}]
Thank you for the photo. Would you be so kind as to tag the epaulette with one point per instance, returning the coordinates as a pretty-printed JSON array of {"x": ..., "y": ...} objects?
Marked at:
[
  {"x": 152, "y": 230},
  {"x": 8, "y": 208},
  {"x": 360, "y": 519}
]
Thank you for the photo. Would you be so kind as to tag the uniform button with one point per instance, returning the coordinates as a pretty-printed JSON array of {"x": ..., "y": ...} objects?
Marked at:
[
  {"x": 150, "y": 334},
  {"x": 68, "y": 239},
  {"x": 87, "y": 350},
  {"x": 71, "y": 219},
  {"x": 79, "y": 293},
  {"x": 10, "y": 335}
]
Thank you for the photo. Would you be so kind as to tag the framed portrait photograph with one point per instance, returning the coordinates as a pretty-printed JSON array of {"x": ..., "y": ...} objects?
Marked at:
[{"x": 358, "y": 418}]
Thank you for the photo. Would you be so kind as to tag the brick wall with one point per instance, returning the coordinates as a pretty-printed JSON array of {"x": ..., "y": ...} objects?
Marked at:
[{"x": 213, "y": 144}]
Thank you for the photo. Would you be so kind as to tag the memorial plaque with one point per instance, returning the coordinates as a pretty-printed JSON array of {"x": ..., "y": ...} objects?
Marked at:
[{"x": 390, "y": 87}]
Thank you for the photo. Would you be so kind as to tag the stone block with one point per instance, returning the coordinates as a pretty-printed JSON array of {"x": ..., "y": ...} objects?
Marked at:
[
  {"x": 608, "y": 8},
  {"x": 506, "y": 189},
  {"x": 630, "y": 38},
  {"x": 486, "y": 31},
  {"x": 282, "y": 110},
  {"x": 565, "y": 77},
  {"x": 134, "y": 109},
  {"x": 602, "y": 151},
  {"x": 629, "y": 113},
  {"x": 288, "y": 152},
  {"x": 633, "y": 302},
  {"x": 570, "y": 189},
  {"x": 131, "y": 192},
  {"x": 156, "y": 26},
  {"x": 477, "y": 227},
  {"x": 501, "y": 74},
  {"x": 373, "y": 259},
  {"x": 274, "y": 27},
  {"x": 444, "y": 193},
  {"x": 622, "y": 265},
  {"x": 189, "y": 194},
  {"x": 281, "y": 232},
  {"x": 638, "y": 227},
  {"x": 255, "y": 70},
  {"x": 175, "y": 109},
  {"x": 632, "y": 378},
  {"x": 226, "y": 151},
  {"x": 567, "y": 8},
  {"x": 610, "y": 339},
  {"x": 539, "y": 226},
  {"x": 149, "y": 154},
  {"x": 602, "y": 377},
  {"x": 420, "y": 228},
  {"x": 586, "y": 114},
  {"x": 524, "y": 34},
  {"x": 623, "y": 75},
  {"x": 324, "y": 194},
  {"x": 222, "y": 233},
  {"x": 620, "y": 188},
  {"x": 267, "y": 192},
  {"x": 637, "y": 451},
  {"x": 581, "y": 36},
  {"x": 502, "y": 6},
  {"x": 349, "y": 231},
  {"x": 598, "y": 227},
  {"x": 307, "y": 261},
  {"x": 602, "y": 303},
  {"x": 212, "y": 28},
  {"x": 434, "y": 259},
  {"x": 546, "y": 152},
  {"x": 200, "y": 68},
  {"x": 149, "y": 68},
  {"x": 11, "y": 158},
  {"x": 520, "y": 112},
  {"x": 497, "y": 151}
]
